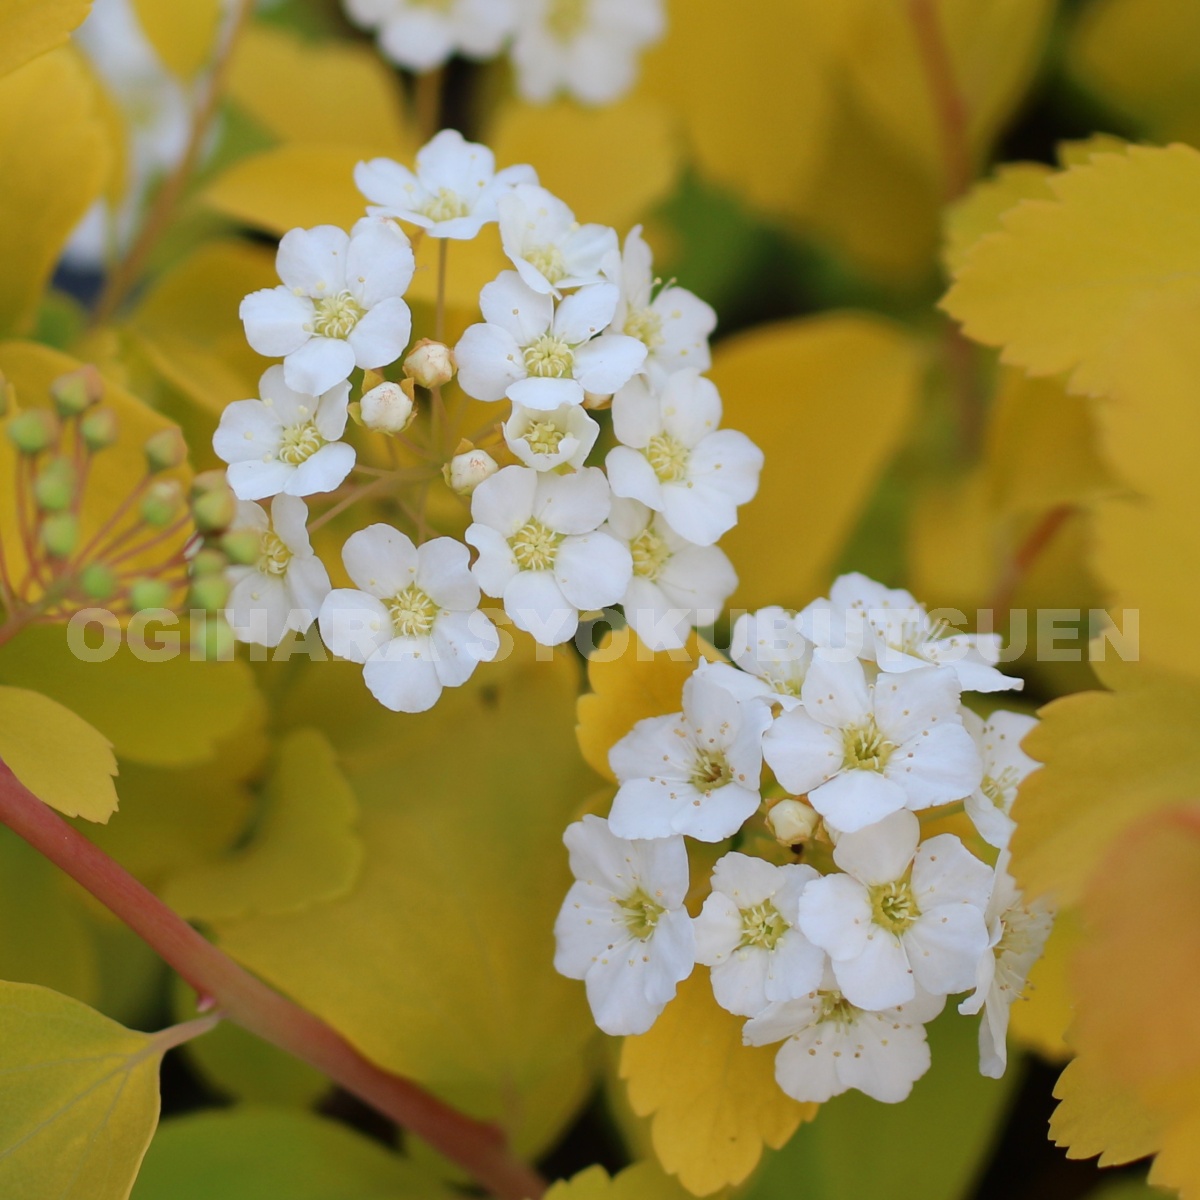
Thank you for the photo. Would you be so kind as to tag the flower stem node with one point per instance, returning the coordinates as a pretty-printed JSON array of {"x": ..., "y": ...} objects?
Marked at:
[
  {"x": 98, "y": 582},
  {"x": 161, "y": 503},
  {"x": 99, "y": 429},
  {"x": 466, "y": 471},
  {"x": 214, "y": 505},
  {"x": 210, "y": 592},
  {"x": 76, "y": 392},
  {"x": 388, "y": 408},
  {"x": 148, "y": 593},
  {"x": 166, "y": 450},
  {"x": 60, "y": 534},
  {"x": 34, "y": 430},
  {"x": 430, "y": 364},
  {"x": 792, "y": 822},
  {"x": 242, "y": 546},
  {"x": 55, "y": 486}
]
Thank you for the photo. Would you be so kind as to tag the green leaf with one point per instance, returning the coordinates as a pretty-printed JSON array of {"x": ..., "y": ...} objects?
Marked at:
[
  {"x": 261, "y": 1154},
  {"x": 642, "y": 1181},
  {"x": 57, "y": 755},
  {"x": 931, "y": 1147},
  {"x": 80, "y": 1098},
  {"x": 31, "y": 27}
]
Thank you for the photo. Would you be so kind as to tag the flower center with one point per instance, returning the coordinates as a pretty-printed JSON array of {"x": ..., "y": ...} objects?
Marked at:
[
  {"x": 413, "y": 612},
  {"x": 336, "y": 316},
  {"x": 544, "y": 437},
  {"x": 549, "y": 260},
  {"x": 836, "y": 1008},
  {"x": 645, "y": 325},
  {"x": 534, "y": 546},
  {"x": 998, "y": 788},
  {"x": 669, "y": 458},
  {"x": 549, "y": 358},
  {"x": 893, "y": 905},
  {"x": 274, "y": 556},
  {"x": 762, "y": 925},
  {"x": 864, "y": 748},
  {"x": 445, "y": 206},
  {"x": 650, "y": 554},
  {"x": 641, "y": 913},
  {"x": 710, "y": 770},
  {"x": 300, "y": 443},
  {"x": 565, "y": 18}
]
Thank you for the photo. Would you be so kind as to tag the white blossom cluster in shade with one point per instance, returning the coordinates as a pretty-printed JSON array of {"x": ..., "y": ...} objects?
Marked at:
[
  {"x": 577, "y": 326},
  {"x": 585, "y": 48},
  {"x": 827, "y": 738}
]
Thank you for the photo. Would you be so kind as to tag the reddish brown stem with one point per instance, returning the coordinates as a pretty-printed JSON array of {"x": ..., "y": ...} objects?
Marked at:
[
  {"x": 244, "y": 999},
  {"x": 949, "y": 104}
]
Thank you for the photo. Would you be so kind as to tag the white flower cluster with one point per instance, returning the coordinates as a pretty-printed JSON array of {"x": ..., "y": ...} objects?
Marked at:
[
  {"x": 576, "y": 327},
  {"x": 854, "y": 705},
  {"x": 586, "y": 48}
]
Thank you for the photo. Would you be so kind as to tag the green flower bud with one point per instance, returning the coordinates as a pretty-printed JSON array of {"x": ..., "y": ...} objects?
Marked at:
[
  {"x": 243, "y": 546},
  {"x": 77, "y": 391},
  {"x": 60, "y": 534},
  {"x": 98, "y": 581},
  {"x": 210, "y": 561},
  {"x": 149, "y": 593},
  {"x": 34, "y": 430},
  {"x": 162, "y": 503},
  {"x": 99, "y": 429},
  {"x": 210, "y": 593},
  {"x": 54, "y": 488},
  {"x": 213, "y": 638},
  {"x": 165, "y": 450},
  {"x": 214, "y": 510}
]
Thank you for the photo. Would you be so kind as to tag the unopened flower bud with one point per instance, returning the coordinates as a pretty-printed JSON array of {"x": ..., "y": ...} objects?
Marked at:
[
  {"x": 209, "y": 561},
  {"x": 60, "y": 534},
  {"x": 99, "y": 429},
  {"x": 214, "y": 506},
  {"x": 165, "y": 450},
  {"x": 161, "y": 503},
  {"x": 34, "y": 430},
  {"x": 149, "y": 593},
  {"x": 210, "y": 593},
  {"x": 98, "y": 582},
  {"x": 792, "y": 822},
  {"x": 430, "y": 364},
  {"x": 243, "y": 546},
  {"x": 388, "y": 408},
  {"x": 466, "y": 471},
  {"x": 213, "y": 639},
  {"x": 76, "y": 392},
  {"x": 54, "y": 488}
]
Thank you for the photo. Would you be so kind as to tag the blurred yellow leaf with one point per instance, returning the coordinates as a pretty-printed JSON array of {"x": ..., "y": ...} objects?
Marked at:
[
  {"x": 714, "y": 1101},
  {"x": 1041, "y": 1017},
  {"x": 978, "y": 213},
  {"x": 1059, "y": 285},
  {"x": 956, "y": 547},
  {"x": 834, "y": 394},
  {"x": 610, "y": 165},
  {"x": 627, "y": 683},
  {"x": 184, "y": 36},
  {"x": 49, "y": 116},
  {"x": 304, "y": 850},
  {"x": 31, "y": 27},
  {"x": 642, "y": 1181},
  {"x": 80, "y": 1102},
  {"x": 58, "y": 756},
  {"x": 1098, "y": 1116}
]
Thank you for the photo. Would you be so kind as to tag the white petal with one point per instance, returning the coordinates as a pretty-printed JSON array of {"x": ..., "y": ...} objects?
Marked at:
[
  {"x": 313, "y": 260},
  {"x": 906, "y": 705},
  {"x": 275, "y": 321},
  {"x": 256, "y": 480},
  {"x": 802, "y": 753},
  {"x": 593, "y": 570},
  {"x": 571, "y": 504},
  {"x": 496, "y": 564},
  {"x": 545, "y": 394},
  {"x": 323, "y": 472},
  {"x": 461, "y": 641},
  {"x": 505, "y": 501},
  {"x": 882, "y": 852},
  {"x": 379, "y": 338},
  {"x": 444, "y": 574},
  {"x": 248, "y": 432},
  {"x": 937, "y": 769},
  {"x": 489, "y": 362},
  {"x": 509, "y": 303},
  {"x": 536, "y": 604},
  {"x": 835, "y": 693},
  {"x": 354, "y": 625},
  {"x": 855, "y": 799},
  {"x": 607, "y": 364},
  {"x": 834, "y": 913},
  {"x": 945, "y": 945},
  {"x": 946, "y": 872},
  {"x": 878, "y": 977},
  {"x": 381, "y": 560},
  {"x": 318, "y": 365},
  {"x": 402, "y": 675},
  {"x": 379, "y": 262},
  {"x": 691, "y": 407}
]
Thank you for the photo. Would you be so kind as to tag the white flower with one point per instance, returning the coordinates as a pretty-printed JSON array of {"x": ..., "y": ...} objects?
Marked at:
[
  {"x": 861, "y": 751},
  {"x": 889, "y": 627},
  {"x": 833, "y": 1046},
  {"x": 675, "y": 325},
  {"x": 541, "y": 549},
  {"x": 420, "y": 35},
  {"x": 340, "y": 304},
  {"x": 588, "y": 48},
  {"x": 387, "y": 408},
  {"x": 772, "y": 655},
  {"x": 453, "y": 193},
  {"x": 414, "y": 623},
  {"x": 285, "y": 442},
  {"x": 675, "y": 460},
  {"x": 549, "y": 248},
  {"x": 1017, "y": 934},
  {"x": 903, "y": 915},
  {"x": 696, "y": 772},
  {"x": 675, "y": 586},
  {"x": 623, "y": 929},
  {"x": 1005, "y": 766},
  {"x": 545, "y": 441},
  {"x": 542, "y": 355},
  {"x": 284, "y": 589},
  {"x": 747, "y": 934}
]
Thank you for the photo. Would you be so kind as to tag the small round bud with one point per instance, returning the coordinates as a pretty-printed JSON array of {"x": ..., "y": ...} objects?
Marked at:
[
  {"x": 98, "y": 582},
  {"x": 466, "y": 471},
  {"x": 792, "y": 822},
  {"x": 210, "y": 593},
  {"x": 54, "y": 488},
  {"x": 243, "y": 546},
  {"x": 209, "y": 561},
  {"x": 60, "y": 534},
  {"x": 149, "y": 593},
  {"x": 34, "y": 430},
  {"x": 76, "y": 392},
  {"x": 161, "y": 503},
  {"x": 212, "y": 638},
  {"x": 214, "y": 510},
  {"x": 165, "y": 450},
  {"x": 99, "y": 429},
  {"x": 388, "y": 408},
  {"x": 430, "y": 364}
]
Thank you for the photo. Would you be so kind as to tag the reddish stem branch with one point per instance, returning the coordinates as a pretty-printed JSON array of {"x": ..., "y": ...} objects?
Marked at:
[
  {"x": 242, "y": 998},
  {"x": 1030, "y": 550},
  {"x": 949, "y": 104}
]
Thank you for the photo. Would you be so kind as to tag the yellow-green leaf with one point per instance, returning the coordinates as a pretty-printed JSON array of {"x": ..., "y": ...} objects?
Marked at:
[
  {"x": 31, "y": 27},
  {"x": 1097, "y": 1115},
  {"x": 642, "y": 1181},
  {"x": 58, "y": 756},
  {"x": 979, "y": 211},
  {"x": 1040, "y": 1019},
  {"x": 714, "y": 1102},
  {"x": 80, "y": 1100},
  {"x": 50, "y": 115},
  {"x": 184, "y": 36}
]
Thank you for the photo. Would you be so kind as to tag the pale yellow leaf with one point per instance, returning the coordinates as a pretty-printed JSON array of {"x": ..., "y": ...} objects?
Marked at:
[
  {"x": 31, "y": 27},
  {"x": 1040, "y": 1019},
  {"x": 979, "y": 211},
  {"x": 184, "y": 35},
  {"x": 642, "y": 1181},
  {"x": 1098, "y": 1116}
]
